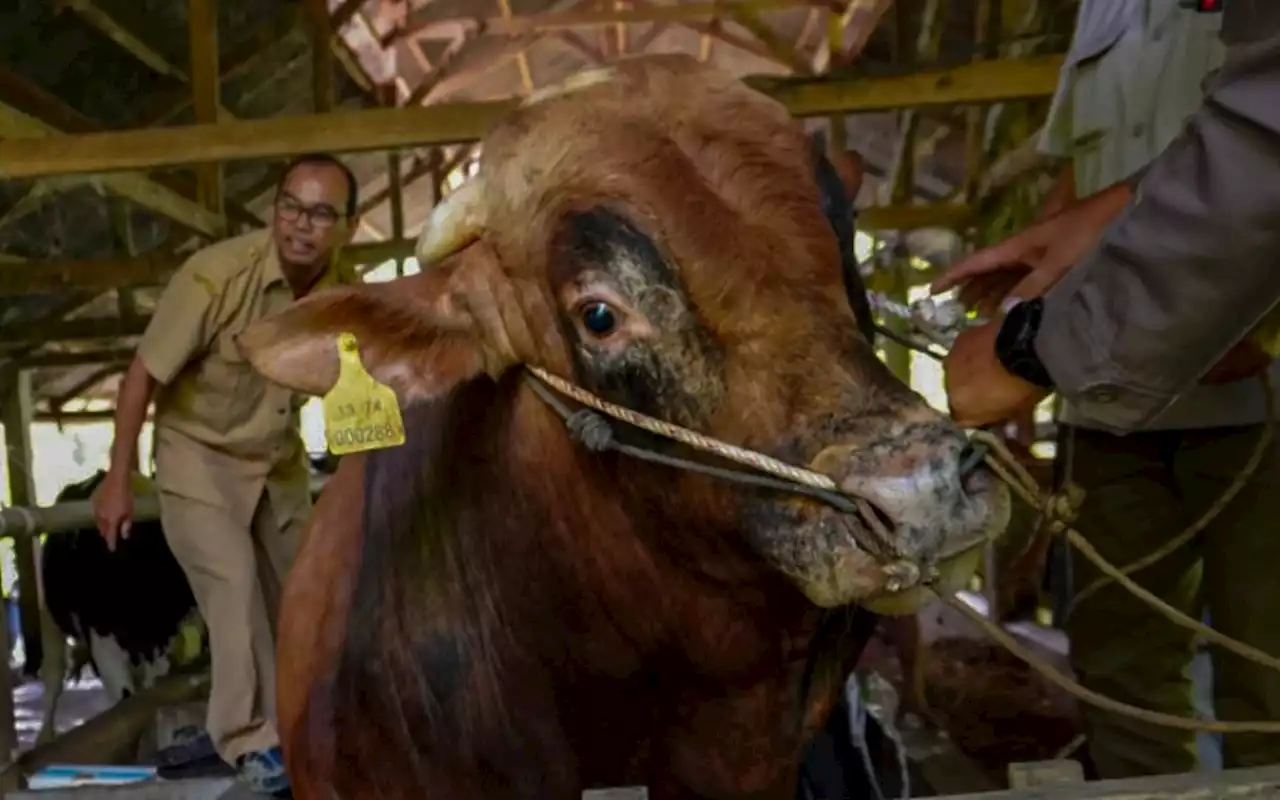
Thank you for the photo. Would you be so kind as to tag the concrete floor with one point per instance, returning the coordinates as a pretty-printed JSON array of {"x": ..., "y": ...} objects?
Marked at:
[{"x": 79, "y": 702}]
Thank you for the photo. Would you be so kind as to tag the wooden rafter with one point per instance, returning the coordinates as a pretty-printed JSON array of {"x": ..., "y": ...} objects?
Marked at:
[
  {"x": 385, "y": 129},
  {"x": 781, "y": 50},
  {"x": 206, "y": 94},
  {"x": 21, "y": 95},
  {"x": 522, "y": 58},
  {"x": 848, "y": 32},
  {"x": 86, "y": 384},
  {"x": 590, "y": 52},
  {"x": 149, "y": 269},
  {"x": 62, "y": 360},
  {"x": 154, "y": 268},
  {"x": 646, "y": 40},
  {"x": 239, "y": 60},
  {"x": 79, "y": 299},
  {"x": 15, "y": 127},
  {"x": 108, "y": 26},
  {"x": 321, "y": 28},
  {"x": 139, "y": 49},
  {"x": 591, "y": 18}
]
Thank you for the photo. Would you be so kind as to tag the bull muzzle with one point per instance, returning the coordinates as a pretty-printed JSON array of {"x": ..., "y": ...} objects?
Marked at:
[{"x": 928, "y": 513}]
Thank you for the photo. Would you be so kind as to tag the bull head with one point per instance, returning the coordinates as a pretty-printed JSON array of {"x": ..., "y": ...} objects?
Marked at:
[{"x": 656, "y": 232}]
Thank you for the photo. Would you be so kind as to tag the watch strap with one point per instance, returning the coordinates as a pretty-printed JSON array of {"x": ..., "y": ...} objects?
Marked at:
[{"x": 1015, "y": 343}]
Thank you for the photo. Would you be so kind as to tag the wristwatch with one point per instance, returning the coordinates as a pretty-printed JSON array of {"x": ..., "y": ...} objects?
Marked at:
[{"x": 1015, "y": 343}]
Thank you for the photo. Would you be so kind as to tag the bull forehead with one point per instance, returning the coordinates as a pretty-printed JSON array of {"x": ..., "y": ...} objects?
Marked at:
[
  {"x": 604, "y": 130},
  {"x": 692, "y": 156}
]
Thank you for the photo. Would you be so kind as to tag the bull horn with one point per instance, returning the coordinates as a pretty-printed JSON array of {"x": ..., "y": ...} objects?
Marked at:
[
  {"x": 454, "y": 223},
  {"x": 574, "y": 83}
]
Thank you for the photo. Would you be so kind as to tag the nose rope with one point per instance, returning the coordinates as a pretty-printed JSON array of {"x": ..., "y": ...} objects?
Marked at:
[
  {"x": 751, "y": 458},
  {"x": 1059, "y": 511},
  {"x": 593, "y": 432}
]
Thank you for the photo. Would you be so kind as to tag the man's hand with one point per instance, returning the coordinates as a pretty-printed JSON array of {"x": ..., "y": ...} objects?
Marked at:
[
  {"x": 980, "y": 390},
  {"x": 1029, "y": 264},
  {"x": 113, "y": 507}
]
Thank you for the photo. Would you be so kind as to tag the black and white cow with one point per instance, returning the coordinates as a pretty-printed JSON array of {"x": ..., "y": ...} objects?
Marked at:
[{"x": 131, "y": 610}]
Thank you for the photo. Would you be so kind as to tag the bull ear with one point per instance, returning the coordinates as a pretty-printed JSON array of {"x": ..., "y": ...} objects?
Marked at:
[
  {"x": 422, "y": 335},
  {"x": 839, "y": 177}
]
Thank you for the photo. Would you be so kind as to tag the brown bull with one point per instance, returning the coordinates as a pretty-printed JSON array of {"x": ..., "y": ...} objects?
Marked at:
[{"x": 493, "y": 610}]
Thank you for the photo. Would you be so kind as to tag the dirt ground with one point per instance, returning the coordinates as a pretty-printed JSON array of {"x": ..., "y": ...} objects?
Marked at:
[{"x": 995, "y": 708}]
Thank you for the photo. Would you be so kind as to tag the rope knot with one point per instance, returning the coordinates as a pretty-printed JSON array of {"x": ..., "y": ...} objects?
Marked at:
[
  {"x": 590, "y": 429},
  {"x": 1061, "y": 508}
]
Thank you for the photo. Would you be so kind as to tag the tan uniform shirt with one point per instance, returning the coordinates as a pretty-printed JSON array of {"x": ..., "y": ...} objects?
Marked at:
[
  {"x": 224, "y": 433},
  {"x": 1191, "y": 265}
]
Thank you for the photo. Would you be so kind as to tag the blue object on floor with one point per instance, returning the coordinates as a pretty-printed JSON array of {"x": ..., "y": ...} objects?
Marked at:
[{"x": 61, "y": 776}]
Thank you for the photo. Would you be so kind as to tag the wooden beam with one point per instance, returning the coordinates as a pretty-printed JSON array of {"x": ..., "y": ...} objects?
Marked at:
[
  {"x": 522, "y": 58},
  {"x": 16, "y": 417},
  {"x": 236, "y": 62},
  {"x": 321, "y": 29},
  {"x": 63, "y": 360},
  {"x": 395, "y": 186},
  {"x": 150, "y": 269},
  {"x": 154, "y": 268},
  {"x": 71, "y": 330},
  {"x": 24, "y": 96},
  {"x": 584, "y": 48},
  {"x": 781, "y": 50},
  {"x": 122, "y": 36},
  {"x": 556, "y": 21},
  {"x": 108, "y": 26},
  {"x": 346, "y": 12},
  {"x": 15, "y": 127},
  {"x": 87, "y": 383},
  {"x": 18, "y": 94},
  {"x": 386, "y": 129},
  {"x": 859, "y": 17},
  {"x": 202, "y": 38},
  {"x": 975, "y": 127}
]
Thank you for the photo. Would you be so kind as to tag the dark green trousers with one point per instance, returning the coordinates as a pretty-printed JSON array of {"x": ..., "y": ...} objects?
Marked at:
[{"x": 1143, "y": 490}]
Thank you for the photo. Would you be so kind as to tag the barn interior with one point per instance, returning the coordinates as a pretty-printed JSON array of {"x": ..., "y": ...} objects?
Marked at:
[{"x": 133, "y": 132}]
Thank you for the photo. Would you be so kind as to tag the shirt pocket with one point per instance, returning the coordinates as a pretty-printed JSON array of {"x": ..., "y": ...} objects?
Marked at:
[
  {"x": 231, "y": 390},
  {"x": 1097, "y": 100}
]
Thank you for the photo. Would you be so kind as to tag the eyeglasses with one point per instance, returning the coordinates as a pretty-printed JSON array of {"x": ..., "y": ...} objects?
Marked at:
[{"x": 321, "y": 215}]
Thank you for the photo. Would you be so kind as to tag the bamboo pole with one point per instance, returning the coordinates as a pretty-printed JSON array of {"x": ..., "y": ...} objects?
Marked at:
[{"x": 27, "y": 521}]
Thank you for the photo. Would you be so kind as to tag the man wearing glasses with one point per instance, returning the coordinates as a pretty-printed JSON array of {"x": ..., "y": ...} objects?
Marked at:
[{"x": 231, "y": 469}]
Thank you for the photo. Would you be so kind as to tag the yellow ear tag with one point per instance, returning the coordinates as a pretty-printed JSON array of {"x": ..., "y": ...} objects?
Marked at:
[{"x": 359, "y": 412}]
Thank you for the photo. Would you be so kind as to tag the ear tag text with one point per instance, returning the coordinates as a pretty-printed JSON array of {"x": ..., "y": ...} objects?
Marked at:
[{"x": 359, "y": 412}]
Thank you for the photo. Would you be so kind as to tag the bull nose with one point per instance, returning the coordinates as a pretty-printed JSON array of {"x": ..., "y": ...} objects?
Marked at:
[{"x": 915, "y": 486}]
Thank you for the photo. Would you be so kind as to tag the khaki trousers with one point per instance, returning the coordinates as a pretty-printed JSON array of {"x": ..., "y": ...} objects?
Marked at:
[
  {"x": 236, "y": 574},
  {"x": 1143, "y": 490}
]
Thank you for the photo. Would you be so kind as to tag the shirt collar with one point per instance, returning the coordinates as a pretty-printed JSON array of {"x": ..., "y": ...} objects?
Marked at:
[{"x": 334, "y": 274}]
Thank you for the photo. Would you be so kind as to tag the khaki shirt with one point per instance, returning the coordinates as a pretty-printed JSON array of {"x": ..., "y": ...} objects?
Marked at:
[
  {"x": 1191, "y": 265},
  {"x": 223, "y": 433}
]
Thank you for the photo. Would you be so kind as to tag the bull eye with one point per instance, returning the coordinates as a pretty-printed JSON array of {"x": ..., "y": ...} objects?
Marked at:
[{"x": 598, "y": 318}]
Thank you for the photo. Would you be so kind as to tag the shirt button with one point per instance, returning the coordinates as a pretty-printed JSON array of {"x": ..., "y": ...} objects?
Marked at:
[
  {"x": 1103, "y": 395},
  {"x": 1139, "y": 130},
  {"x": 282, "y": 411}
]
